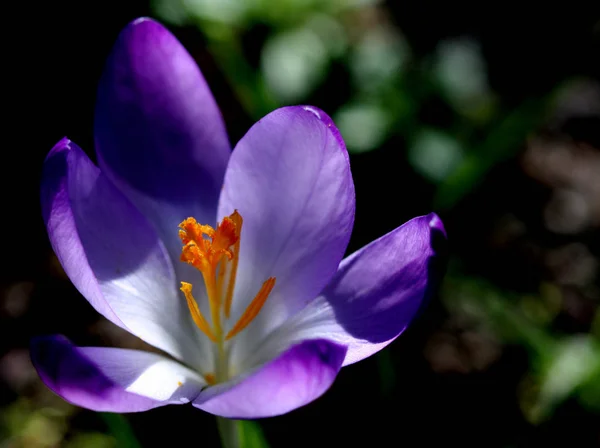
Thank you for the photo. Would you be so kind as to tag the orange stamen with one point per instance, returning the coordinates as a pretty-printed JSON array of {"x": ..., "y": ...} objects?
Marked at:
[
  {"x": 237, "y": 219},
  {"x": 227, "y": 235},
  {"x": 214, "y": 302},
  {"x": 205, "y": 253},
  {"x": 215, "y": 252},
  {"x": 221, "y": 279},
  {"x": 210, "y": 379},
  {"x": 199, "y": 319},
  {"x": 253, "y": 309}
]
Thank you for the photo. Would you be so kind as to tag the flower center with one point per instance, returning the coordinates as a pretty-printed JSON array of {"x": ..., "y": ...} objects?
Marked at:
[{"x": 215, "y": 253}]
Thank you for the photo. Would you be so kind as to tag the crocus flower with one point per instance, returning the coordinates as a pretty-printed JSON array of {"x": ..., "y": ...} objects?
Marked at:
[{"x": 229, "y": 263}]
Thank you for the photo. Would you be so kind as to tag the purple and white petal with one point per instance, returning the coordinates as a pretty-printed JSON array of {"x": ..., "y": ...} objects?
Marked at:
[
  {"x": 159, "y": 134},
  {"x": 379, "y": 289},
  {"x": 297, "y": 377},
  {"x": 289, "y": 177},
  {"x": 374, "y": 296},
  {"x": 112, "y": 254},
  {"x": 112, "y": 379}
]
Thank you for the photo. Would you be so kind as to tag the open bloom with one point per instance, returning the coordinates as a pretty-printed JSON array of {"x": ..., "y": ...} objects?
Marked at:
[{"x": 229, "y": 263}]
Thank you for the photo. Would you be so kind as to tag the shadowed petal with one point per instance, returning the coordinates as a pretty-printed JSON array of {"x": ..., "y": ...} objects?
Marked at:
[
  {"x": 159, "y": 134},
  {"x": 290, "y": 179},
  {"x": 379, "y": 289},
  {"x": 297, "y": 377},
  {"x": 112, "y": 254},
  {"x": 375, "y": 294},
  {"x": 112, "y": 379}
]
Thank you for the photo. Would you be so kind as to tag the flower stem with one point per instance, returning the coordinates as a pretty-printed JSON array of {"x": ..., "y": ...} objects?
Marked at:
[{"x": 229, "y": 432}]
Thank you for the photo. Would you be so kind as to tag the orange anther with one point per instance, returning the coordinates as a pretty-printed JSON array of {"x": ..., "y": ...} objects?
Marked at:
[
  {"x": 197, "y": 316},
  {"x": 253, "y": 309},
  {"x": 215, "y": 253}
]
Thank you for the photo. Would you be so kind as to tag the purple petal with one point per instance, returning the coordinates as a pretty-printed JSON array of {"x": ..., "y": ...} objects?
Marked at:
[
  {"x": 289, "y": 177},
  {"x": 375, "y": 294},
  {"x": 159, "y": 134},
  {"x": 379, "y": 289},
  {"x": 299, "y": 376},
  {"x": 112, "y": 379},
  {"x": 112, "y": 254}
]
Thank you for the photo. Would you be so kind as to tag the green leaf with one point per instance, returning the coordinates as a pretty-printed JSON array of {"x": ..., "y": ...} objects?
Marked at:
[
  {"x": 119, "y": 428},
  {"x": 91, "y": 440},
  {"x": 576, "y": 364},
  {"x": 387, "y": 373},
  {"x": 294, "y": 63},
  {"x": 364, "y": 126},
  {"x": 241, "y": 434},
  {"x": 251, "y": 435},
  {"x": 434, "y": 153},
  {"x": 503, "y": 141},
  {"x": 249, "y": 87}
]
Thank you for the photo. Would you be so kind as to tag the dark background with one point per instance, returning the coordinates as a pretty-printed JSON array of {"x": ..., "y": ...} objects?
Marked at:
[{"x": 455, "y": 376}]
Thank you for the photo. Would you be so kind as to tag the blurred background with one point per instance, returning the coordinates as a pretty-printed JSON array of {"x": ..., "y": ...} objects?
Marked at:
[{"x": 485, "y": 113}]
